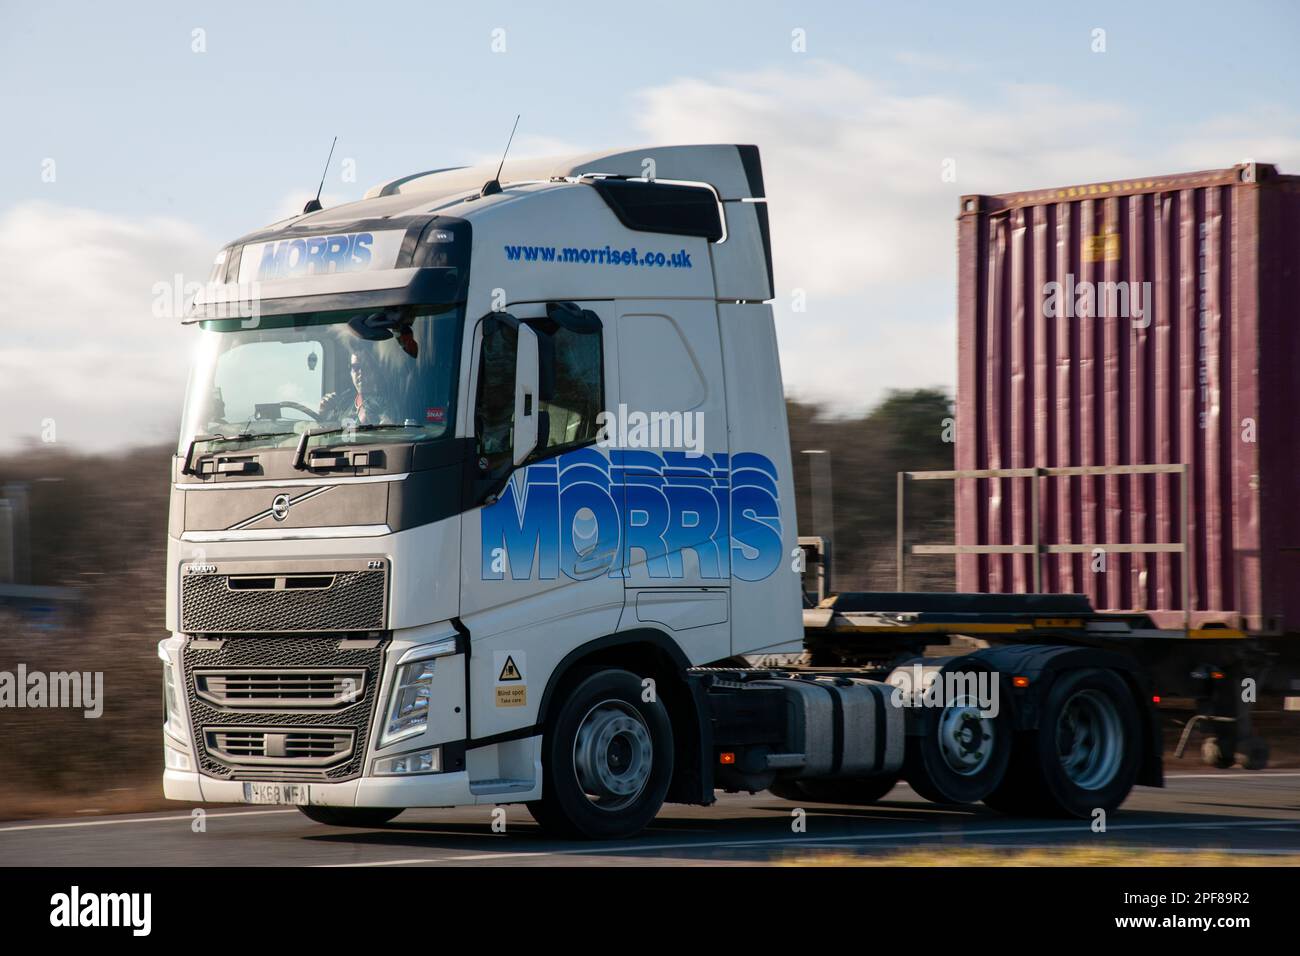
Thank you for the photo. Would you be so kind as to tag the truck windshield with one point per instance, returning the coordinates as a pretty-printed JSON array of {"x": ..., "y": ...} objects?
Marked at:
[{"x": 289, "y": 374}]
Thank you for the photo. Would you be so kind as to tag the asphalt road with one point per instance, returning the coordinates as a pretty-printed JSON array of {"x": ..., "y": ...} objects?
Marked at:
[{"x": 1237, "y": 812}]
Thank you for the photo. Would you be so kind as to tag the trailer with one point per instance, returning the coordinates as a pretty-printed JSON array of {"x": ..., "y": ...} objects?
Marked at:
[
  {"x": 483, "y": 495},
  {"x": 1126, "y": 389}
]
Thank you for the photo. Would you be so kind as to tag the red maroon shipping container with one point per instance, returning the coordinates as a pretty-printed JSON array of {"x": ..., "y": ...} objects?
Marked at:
[{"x": 1152, "y": 321}]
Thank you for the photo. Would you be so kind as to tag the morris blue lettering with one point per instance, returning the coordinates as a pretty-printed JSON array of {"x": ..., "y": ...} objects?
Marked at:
[
  {"x": 361, "y": 252},
  {"x": 523, "y": 526},
  {"x": 316, "y": 255},
  {"x": 585, "y": 514}
]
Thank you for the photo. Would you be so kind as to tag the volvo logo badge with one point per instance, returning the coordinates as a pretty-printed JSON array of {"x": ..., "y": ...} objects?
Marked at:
[{"x": 280, "y": 507}]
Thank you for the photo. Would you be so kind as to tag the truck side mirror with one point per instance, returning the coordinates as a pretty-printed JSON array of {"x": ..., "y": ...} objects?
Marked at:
[{"x": 527, "y": 390}]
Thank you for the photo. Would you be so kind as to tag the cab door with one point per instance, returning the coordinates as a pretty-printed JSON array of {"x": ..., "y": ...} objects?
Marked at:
[{"x": 541, "y": 569}]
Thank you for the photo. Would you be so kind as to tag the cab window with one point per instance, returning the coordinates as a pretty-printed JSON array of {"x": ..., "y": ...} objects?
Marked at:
[
  {"x": 576, "y": 394},
  {"x": 572, "y": 387}
]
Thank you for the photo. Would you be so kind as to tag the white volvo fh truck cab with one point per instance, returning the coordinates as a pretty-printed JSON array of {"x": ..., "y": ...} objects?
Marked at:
[{"x": 475, "y": 481}]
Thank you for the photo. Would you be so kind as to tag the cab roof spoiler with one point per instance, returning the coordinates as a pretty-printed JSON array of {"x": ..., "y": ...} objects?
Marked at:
[{"x": 734, "y": 171}]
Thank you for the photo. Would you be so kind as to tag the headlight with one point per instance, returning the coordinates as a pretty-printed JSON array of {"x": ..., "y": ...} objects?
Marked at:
[
  {"x": 422, "y": 761},
  {"x": 175, "y": 758},
  {"x": 408, "y": 705},
  {"x": 175, "y": 723}
]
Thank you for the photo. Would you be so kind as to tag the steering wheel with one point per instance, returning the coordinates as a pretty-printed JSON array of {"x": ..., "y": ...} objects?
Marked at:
[{"x": 299, "y": 407}]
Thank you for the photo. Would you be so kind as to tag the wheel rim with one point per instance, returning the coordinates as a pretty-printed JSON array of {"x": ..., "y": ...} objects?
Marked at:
[
  {"x": 1088, "y": 739},
  {"x": 966, "y": 739},
  {"x": 612, "y": 755}
]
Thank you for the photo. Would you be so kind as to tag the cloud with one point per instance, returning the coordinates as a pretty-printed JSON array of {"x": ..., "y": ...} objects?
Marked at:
[
  {"x": 863, "y": 218},
  {"x": 932, "y": 62},
  {"x": 856, "y": 173},
  {"x": 1259, "y": 133},
  {"x": 82, "y": 345}
]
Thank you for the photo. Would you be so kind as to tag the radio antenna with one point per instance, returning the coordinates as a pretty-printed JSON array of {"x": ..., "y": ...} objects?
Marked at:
[
  {"x": 493, "y": 185},
  {"x": 313, "y": 205}
]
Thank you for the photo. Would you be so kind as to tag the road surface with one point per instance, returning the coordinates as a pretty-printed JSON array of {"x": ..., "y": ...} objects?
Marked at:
[{"x": 1237, "y": 812}]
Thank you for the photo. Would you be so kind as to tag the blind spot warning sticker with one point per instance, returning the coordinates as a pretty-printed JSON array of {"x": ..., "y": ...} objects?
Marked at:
[{"x": 512, "y": 681}]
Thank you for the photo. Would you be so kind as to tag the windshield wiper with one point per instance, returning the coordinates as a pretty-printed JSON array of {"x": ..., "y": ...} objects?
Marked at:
[
  {"x": 187, "y": 468},
  {"x": 308, "y": 435}
]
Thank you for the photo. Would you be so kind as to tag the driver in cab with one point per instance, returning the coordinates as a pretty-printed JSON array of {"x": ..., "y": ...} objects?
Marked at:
[{"x": 365, "y": 403}]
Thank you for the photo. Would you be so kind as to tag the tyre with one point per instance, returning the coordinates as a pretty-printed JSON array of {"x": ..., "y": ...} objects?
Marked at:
[
  {"x": 1083, "y": 757},
  {"x": 607, "y": 759},
  {"x": 1252, "y": 752},
  {"x": 856, "y": 791},
  {"x": 351, "y": 816},
  {"x": 788, "y": 790},
  {"x": 961, "y": 754},
  {"x": 1215, "y": 754}
]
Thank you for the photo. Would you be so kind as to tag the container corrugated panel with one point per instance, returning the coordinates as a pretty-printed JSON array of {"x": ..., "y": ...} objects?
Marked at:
[{"x": 1207, "y": 375}]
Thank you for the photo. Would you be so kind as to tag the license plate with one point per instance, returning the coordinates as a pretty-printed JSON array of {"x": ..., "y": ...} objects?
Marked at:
[{"x": 287, "y": 794}]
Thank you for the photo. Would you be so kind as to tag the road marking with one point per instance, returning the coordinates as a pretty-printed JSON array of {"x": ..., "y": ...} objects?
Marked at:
[
  {"x": 334, "y": 866},
  {"x": 107, "y": 823},
  {"x": 1234, "y": 777},
  {"x": 470, "y": 856},
  {"x": 339, "y": 866}
]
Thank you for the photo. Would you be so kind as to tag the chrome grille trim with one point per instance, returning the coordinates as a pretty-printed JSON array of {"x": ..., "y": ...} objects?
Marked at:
[
  {"x": 280, "y": 688},
  {"x": 272, "y": 775},
  {"x": 279, "y": 746}
]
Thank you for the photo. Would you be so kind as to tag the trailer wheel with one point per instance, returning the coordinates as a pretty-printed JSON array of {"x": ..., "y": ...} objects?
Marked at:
[
  {"x": 351, "y": 816},
  {"x": 1083, "y": 757},
  {"x": 1215, "y": 754},
  {"x": 1253, "y": 753},
  {"x": 607, "y": 759},
  {"x": 854, "y": 791},
  {"x": 961, "y": 755}
]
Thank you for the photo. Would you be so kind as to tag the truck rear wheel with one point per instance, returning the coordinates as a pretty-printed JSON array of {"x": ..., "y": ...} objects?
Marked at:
[
  {"x": 1083, "y": 757},
  {"x": 351, "y": 816},
  {"x": 962, "y": 754},
  {"x": 855, "y": 792},
  {"x": 607, "y": 759},
  {"x": 1214, "y": 753},
  {"x": 1253, "y": 753}
]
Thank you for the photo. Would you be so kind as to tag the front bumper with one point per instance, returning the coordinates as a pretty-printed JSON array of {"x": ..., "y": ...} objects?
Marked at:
[{"x": 426, "y": 790}]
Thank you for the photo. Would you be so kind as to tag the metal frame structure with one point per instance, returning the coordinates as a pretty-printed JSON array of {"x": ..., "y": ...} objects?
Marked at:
[{"x": 1036, "y": 546}]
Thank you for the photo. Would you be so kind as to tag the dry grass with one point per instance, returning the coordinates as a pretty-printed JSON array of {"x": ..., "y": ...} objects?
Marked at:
[
  {"x": 55, "y": 761},
  {"x": 1042, "y": 856}
]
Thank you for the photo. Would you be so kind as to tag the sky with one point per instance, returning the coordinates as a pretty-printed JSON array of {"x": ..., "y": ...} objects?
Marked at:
[{"x": 136, "y": 140}]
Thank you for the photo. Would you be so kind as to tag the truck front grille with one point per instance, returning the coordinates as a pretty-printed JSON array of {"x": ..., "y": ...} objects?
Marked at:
[
  {"x": 273, "y": 688},
  {"x": 324, "y": 738},
  {"x": 262, "y": 602}
]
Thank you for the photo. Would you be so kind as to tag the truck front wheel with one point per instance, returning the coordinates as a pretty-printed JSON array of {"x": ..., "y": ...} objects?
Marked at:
[
  {"x": 607, "y": 759},
  {"x": 351, "y": 816},
  {"x": 853, "y": 791},
  {"x": 962, "y": 752}
]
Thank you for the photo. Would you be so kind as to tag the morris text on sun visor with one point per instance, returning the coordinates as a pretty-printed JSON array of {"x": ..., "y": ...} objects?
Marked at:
[{"x": 306, "y": 256}]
